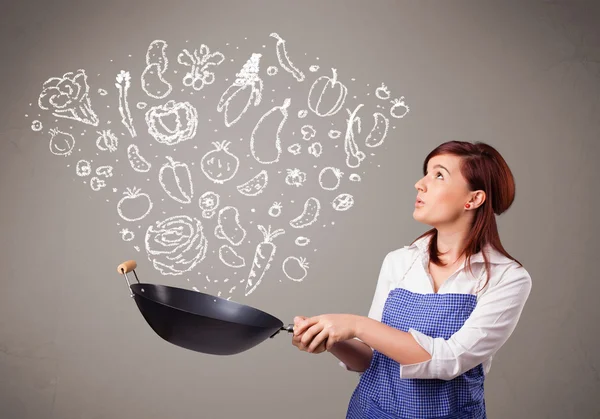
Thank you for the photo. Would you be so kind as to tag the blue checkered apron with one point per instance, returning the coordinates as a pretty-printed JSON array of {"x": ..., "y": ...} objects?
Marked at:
[{"x": 382, "y": 394}]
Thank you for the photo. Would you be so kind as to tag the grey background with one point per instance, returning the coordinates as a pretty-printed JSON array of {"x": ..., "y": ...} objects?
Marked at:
[{"x": 521, "y": 76}]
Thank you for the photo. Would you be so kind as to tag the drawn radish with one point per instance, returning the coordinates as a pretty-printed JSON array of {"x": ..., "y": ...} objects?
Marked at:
[
  {"x": 295, "y": 268},
  {"x": 275, "y": 210},
  {"x": 309, "y": 215},
  {"x": 263, "y": 256},
  {"x": 396, "y": 104},
  {"x": 135, "y": 205},
  {"x": 266, "y": 154}
]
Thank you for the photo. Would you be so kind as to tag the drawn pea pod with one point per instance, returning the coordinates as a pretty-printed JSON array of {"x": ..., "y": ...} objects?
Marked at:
[{"x": 176, "y": 180}]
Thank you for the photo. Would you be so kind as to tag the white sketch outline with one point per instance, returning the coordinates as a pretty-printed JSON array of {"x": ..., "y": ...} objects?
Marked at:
[
  {"x": 302, "y": 263},
  {"x": 350, "y": 146},
  {"x": 69, "y": 97},
  {"x": 308, "y": 132},
  {"x": 246, "y": 77},
  {"x": 136, "y": 161},
  {"x": 372, "y": 140},
  {"x": 208, "y": 159},
  {"x": 36, "y": 125},
  {"x": 107, "y": 141},
  {"x": 171, "y": 167},
  {"x": 302, "y": 241},
  {"x": 263, "y": 256},
  {"x": 156, "y": 65},
  {"x": 260, "y": 180},
  {"x": 123, "y": 84},
  {"x": 55, "y": 148},
  {"x": 336, "y": 172},
  {"x": 83, "y": 168},
  {"x": 232, "y": 235},
  {"x": 167, "y": 135},
  {"x": 226, "y": 249},
  {"x": 130, "y": 234},
  {"x": 316, "y": 149},
  {"x": 284, "y": 116},
  {"x": 96, "y": 183},
  {"x": 275, "y": 209},
  {"x": 130, "y": 194},
  {"x": 397, "y": 103},
  {"x": 333, "y": 81},
  {"x": 208, "y": 202},
  {"x": 343, "y": 202},
  {"x": 106, "y": 171},
  {"x": 295, "y": 173},
  {"x": 284, "y": 60},
  {"x": 200, "y": 61},
  {"x": 382, "y": 92},
  {"x": 310, "y": 213}
]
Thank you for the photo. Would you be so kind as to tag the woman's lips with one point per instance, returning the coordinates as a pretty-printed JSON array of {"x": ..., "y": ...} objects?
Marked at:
[{"x": 419, "y": 203}]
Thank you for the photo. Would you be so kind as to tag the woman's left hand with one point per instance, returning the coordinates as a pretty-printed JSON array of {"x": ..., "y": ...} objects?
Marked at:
[{"x": 329, "y": 328}]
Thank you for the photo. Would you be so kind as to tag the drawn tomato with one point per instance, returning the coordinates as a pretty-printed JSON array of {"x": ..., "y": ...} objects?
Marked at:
[{"x": 134, "y": 206}]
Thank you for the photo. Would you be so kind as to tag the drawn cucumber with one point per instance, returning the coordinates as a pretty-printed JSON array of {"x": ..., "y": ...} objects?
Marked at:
[
  {"x": 309, "y": 215},
  {"x": 137, "y": 162}
]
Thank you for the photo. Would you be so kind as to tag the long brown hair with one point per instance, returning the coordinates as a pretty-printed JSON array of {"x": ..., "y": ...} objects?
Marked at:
[{"x": 484, "y": 169}]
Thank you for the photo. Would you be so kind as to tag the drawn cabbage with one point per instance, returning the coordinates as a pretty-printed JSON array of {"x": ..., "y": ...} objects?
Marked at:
[{"x": 176, "y": 244}]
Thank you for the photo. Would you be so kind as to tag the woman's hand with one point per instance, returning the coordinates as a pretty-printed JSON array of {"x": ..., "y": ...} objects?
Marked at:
[
  {"x": 325, "y": 330},
  {"x": 297, "y": 338}
]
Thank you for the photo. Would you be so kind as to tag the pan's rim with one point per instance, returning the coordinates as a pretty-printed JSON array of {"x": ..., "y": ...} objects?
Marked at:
[{"x": 141, "y": 294}]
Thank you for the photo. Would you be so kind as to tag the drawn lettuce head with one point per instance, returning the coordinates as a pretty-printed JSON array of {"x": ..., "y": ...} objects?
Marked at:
[
  {"x": 176, "y": 244},
  {"x": 67, "y": 97}
]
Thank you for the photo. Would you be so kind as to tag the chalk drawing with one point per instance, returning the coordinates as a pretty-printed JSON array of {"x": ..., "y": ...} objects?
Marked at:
[
  {"x": 127, "y": 235},
  {"x": 208, "y": 203},
  {"x": 295, "y": 177},
  {"x": 137, "y": 162},
  {"x": 220, "y": 165},
  {"x": 106, "y": 171},
  {"x": 246, "y": 78},
  {"x": 255, "y": 185},
  {"x": 107, "y": 141},
  {"x": 61, "y": 143},
  {"x": 263, "y": 137},
  {"x": 334, "y": 134},
  {"x": 229, "y": 227},
  {"x": 343, "y": 202},
  {"x": 354, "y": 177},
  {"x": 68, "y": 97},
  {"x": 36, "y": 126},
  {"x": 263, "y": 256},
  {"x": 102, "y": 92},
  {"x": 309, "y": 215},
  {"x": 272, "y": 70},
  {"x": 302, "y": 241},
  {"x": 230, "y": 258},
  {"x": 315, "y": 149},
  {"x": 172, "y": 122},
  {"x": 294, "y": 149},
  {"x": 382, "y": 92},
  {"x": 314, "y": 68},
  {"x": 354, "y": 156},
  {"x": 397, "y": 103},
  {"x": 302, "y": 113},
  {"x": 176, "y": 245},
  {"x": 200, "y": 63},
  {"x": 153, "y": 82},
  {"x": 96, "y": 184},
  {"x": 330, "y": 178},
  {"x": 135, "y": 205},
  {"x": 321, "y": 89},
  {"x": 295, "y": 268},
  {"x": 176, "y": 179},
  {"x": 123, "y": 84},
  {"x": 284, "y": 59},
  {"x": 275, "y": 209},
  {"x": 83, "y": 168},
  {"x": 141, "y": 105},
  {"x": 307, "y": 132},
  {"x": 379, "y": 131}
]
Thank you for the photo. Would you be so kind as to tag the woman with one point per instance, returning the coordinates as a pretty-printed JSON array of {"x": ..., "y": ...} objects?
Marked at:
[{"x": 434, "y": 323}]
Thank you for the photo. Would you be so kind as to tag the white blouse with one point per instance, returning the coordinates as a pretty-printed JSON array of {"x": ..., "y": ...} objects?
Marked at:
[{"x": 499, "y": 306}]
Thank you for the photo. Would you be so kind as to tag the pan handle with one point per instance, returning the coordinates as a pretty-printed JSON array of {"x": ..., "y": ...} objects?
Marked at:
[
  {"x": 289, "y": 328},
  {"x": 124, "y": 268}
]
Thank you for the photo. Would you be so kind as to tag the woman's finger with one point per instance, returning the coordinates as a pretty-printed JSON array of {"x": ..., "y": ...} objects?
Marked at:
[
  {"x": 310, "y": 333},
  {"x": 304, "y": 324},
  {"x": 318, "y": 340}
]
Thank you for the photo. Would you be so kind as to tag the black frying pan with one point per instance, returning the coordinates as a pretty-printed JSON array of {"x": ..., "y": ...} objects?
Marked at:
[{"x": 201, "y": 322}]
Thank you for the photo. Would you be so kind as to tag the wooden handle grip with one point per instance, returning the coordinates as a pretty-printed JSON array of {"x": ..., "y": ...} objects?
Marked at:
[{"x": 126, "y": 267}]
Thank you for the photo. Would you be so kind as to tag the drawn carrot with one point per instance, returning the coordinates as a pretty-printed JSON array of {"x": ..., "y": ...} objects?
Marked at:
[{"x": 263, "y": 256}]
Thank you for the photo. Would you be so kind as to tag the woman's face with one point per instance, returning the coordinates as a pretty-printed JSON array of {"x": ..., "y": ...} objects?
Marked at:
[{"x": 444, "y": 192}]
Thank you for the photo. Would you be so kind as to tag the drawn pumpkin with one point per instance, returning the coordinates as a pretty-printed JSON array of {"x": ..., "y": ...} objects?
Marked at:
[{"x": 327, "y": 95}]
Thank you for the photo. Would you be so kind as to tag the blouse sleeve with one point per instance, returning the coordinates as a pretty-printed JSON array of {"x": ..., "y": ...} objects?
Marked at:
[
  {"x": 485, "y": 331},
  {"x": 381, "y": 293}
]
